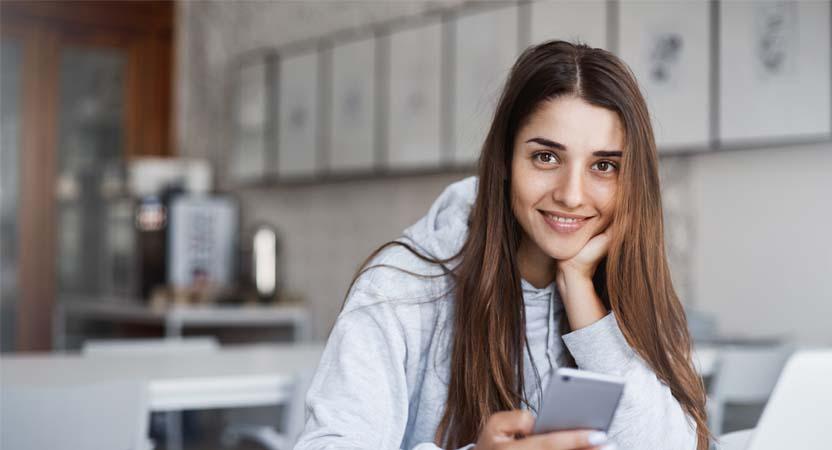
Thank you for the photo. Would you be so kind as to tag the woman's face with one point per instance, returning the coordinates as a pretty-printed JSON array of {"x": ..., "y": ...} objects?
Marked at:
[{"x": 565, "y": 175}]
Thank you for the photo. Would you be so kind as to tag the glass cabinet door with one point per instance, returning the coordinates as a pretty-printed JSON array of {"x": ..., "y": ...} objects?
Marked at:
[
  {"x": 84, "y": 88},
  {"x": 90, "y": 183},
  {"x": 11, "y": 54}
]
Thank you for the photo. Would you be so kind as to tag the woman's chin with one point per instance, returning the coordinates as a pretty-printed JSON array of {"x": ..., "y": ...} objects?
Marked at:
[
  {"x": 562, "y": 248},
  {"x": 563, "y": 253}
]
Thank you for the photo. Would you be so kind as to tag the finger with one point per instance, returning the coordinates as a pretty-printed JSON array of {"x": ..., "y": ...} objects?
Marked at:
[
  {"x": 564, "y": 440},
  {"x": 601, "y": 244},
  {"x": 579, "y": 438},
  {"x": 605, "y": 242},
  {"x": 510, "y": 423},
  {"x": 603, "y": 238}
]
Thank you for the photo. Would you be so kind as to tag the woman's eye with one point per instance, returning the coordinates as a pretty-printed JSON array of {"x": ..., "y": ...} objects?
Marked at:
[
  {"x": 605, "y": 166},
  {"x": 546, "y": 157}
]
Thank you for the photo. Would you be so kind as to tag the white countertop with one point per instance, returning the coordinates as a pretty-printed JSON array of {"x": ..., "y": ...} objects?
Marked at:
[{"x": 190, "y": 314}]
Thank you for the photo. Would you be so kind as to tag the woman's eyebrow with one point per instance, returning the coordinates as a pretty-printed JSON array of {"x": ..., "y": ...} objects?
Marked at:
[
  {"x": 557, "y": 145},
  {"x": 547, "y": 143}
]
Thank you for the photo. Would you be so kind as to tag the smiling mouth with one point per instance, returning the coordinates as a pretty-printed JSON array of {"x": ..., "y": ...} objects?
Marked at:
[{"x": 565, "y": 223}]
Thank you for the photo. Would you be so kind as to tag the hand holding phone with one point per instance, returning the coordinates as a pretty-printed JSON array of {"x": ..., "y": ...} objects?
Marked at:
[{"x": 512, "y": 430}]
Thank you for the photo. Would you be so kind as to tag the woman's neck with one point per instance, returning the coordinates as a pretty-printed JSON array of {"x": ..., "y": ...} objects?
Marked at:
[{"x": 535, "y": 266}]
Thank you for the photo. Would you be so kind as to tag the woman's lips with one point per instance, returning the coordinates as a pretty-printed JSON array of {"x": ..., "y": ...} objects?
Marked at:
[{"x": 564, "y": 224}]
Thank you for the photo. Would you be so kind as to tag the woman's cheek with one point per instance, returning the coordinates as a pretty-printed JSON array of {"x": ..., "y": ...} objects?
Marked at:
[
  {"x": 603, "y": 192},
  {"x": 604, "y": 196}
]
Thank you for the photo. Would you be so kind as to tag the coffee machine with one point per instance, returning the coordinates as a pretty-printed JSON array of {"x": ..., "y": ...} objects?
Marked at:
[{"x": 186, "y": 236}]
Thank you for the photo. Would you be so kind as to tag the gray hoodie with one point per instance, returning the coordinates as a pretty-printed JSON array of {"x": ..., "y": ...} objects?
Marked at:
[{"x": 382, "y": 380}]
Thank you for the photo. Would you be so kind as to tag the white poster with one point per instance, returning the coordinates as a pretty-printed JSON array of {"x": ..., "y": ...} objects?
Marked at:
[
  {"x": 351, "y": 142},
  {"x": 667, "y": 45},
  {"x": 297, "y": 127},
  {"x": 202, "y": 241},
  {"x": 774, "y": 70},
  {"x": 248, "y": 156},
  {"x": 486, "y": 47},
  {"x": 413, "y": 136}
]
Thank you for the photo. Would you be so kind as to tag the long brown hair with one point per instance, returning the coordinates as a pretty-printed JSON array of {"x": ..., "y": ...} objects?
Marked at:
[{"x": 633, "y": 281}]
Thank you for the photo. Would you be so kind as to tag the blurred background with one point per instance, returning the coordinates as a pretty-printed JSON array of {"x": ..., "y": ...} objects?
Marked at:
[{"x": 201, "y": 179}]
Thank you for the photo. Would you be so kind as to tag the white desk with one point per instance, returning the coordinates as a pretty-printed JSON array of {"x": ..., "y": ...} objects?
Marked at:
[
  {"x": 174, "y": 319},
  {"x": 230, "y": 377},
  {"x": 235, "y": 376}
]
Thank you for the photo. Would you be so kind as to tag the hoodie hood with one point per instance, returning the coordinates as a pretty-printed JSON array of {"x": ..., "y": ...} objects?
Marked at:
[{"x": 442, "y": 231}]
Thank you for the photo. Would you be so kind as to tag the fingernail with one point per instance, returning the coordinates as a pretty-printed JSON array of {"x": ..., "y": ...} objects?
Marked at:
[
  {"x": 609, "y": 447},
  {"x": 597, "y": 438}
]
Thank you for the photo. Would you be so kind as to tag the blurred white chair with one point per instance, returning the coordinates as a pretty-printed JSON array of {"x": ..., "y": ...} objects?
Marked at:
[
  {"x": 737, "y": 440},
  {"x": 745, "y": 376},
  {"x": 101, "y": 416},
  {"x": 155, "y": 346},
  {"x": 702, "y": 326},
  {"x": 95, "y": 348},
  {"x": 292, "y": 421}
]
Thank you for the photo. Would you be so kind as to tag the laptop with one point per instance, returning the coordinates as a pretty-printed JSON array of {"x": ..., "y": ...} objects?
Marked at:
[{"x": 799, "y": 412}]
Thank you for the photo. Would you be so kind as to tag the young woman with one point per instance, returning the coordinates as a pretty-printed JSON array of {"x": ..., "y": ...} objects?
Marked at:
[{"x": 552, "y": 256}]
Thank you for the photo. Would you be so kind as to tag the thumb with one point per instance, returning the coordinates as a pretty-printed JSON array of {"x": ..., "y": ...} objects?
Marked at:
[
  {"x": 563, "y": 440},
  {"x": 511, "y": 423}
]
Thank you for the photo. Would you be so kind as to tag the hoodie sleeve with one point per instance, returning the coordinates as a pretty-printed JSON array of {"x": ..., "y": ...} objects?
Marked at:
[
  {"x": 648, "y": 415},
  {"x": 358, "y": 398}
]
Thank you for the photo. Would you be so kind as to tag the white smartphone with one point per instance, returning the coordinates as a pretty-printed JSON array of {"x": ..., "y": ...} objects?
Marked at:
[{"x": 579, "y": 399}]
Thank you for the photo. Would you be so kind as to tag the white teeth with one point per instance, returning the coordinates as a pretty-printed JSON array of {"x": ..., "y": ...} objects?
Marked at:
[{"x": 562, "y": 219}]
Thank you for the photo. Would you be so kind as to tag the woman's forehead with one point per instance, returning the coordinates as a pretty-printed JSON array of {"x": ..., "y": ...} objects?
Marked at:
[{"x": 576, "y": 124}]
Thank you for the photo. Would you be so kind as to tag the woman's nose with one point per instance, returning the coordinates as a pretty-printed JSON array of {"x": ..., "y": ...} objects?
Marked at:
[{"x": 569, "y": 191}]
